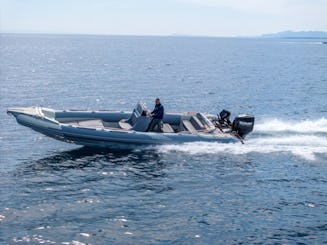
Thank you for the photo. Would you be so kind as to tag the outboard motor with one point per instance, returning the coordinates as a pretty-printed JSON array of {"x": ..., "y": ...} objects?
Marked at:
[{"x": 243, "y": 124}]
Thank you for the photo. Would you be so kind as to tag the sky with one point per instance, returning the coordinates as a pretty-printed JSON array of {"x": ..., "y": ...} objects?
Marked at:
[{"x": 162, "y": 17}]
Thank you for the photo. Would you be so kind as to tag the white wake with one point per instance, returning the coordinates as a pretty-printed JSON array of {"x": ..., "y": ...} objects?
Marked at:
[
  {"x": 306, "y": 126},
  {"x": 303, "y": 139}
]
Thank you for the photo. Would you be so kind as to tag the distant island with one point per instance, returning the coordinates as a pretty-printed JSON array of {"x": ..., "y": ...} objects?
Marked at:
[{"x": 296, "y": 34}]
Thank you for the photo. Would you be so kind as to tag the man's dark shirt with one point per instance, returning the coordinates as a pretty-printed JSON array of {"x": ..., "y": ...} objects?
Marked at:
[{"x": 158, "y": 111}]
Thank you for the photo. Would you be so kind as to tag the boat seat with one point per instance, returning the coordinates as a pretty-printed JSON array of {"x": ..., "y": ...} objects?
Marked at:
[
  {"x": 129, "y": 123},
  {"x": 188, "y": 126},
  {"x": 166, "y": 128},
  {"x": 198, "y": 125},
  {"x": 206, "y": 122},
  {"x": 88, "y": 123},
  {"x": 124, "y": 125}
]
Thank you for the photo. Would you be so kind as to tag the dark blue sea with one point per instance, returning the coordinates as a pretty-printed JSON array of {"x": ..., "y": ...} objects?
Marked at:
[{"x": 271, "y": 190}]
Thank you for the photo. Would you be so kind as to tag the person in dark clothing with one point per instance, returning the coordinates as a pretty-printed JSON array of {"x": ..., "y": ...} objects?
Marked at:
[
  {"x": 156, "y": 115},
  {"x": 224, "y": 119}
]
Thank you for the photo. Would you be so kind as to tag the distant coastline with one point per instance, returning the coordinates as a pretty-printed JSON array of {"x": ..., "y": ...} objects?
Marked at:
[{"x": 297, "y": 35}]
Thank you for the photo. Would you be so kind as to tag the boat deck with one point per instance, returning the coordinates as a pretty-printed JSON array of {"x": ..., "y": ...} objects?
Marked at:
[{"x": 188, "y": 128}]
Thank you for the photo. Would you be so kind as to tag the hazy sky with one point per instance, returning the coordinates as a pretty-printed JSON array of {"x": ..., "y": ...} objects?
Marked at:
[{"x": 163, "y": 17}]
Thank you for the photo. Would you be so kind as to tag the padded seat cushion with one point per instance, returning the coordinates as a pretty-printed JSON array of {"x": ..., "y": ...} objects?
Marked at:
[
  {"x": 124, "y": 124},
  {"x": 197, "y": 123},
  {"x": 167, "y": 128},
  {"x": 188, "y": 126},
  {"x": 90, "y": 124}
]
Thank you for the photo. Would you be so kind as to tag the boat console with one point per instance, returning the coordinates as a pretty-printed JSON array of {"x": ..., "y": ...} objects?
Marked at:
[{"x": 138, "y": 120}]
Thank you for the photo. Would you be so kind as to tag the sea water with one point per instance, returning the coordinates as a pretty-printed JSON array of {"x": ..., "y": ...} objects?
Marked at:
[{"x": 272, "y": 189}]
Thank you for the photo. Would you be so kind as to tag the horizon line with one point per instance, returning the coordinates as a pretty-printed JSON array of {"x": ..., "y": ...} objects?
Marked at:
[
  {"x": 182, "y": 35},
  {"x": 112, "y": 34}
]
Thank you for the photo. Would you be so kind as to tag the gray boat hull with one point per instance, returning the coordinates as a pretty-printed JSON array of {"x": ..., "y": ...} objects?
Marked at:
[{"x": 84, "y": 128}]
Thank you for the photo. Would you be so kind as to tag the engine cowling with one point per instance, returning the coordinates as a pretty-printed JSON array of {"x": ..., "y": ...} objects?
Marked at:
[{"x": 243, "y": 125}]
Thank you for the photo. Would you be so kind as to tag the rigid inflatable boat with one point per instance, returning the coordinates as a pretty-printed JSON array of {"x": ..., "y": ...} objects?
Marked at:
[{"x": 108, "y": 128}]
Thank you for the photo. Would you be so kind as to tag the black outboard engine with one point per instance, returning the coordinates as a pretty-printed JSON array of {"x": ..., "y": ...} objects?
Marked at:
[{"x": 243, "y": 124}]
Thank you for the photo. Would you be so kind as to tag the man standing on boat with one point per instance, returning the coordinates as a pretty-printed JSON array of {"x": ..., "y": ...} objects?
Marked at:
[{"x": 156, "y": 115}]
